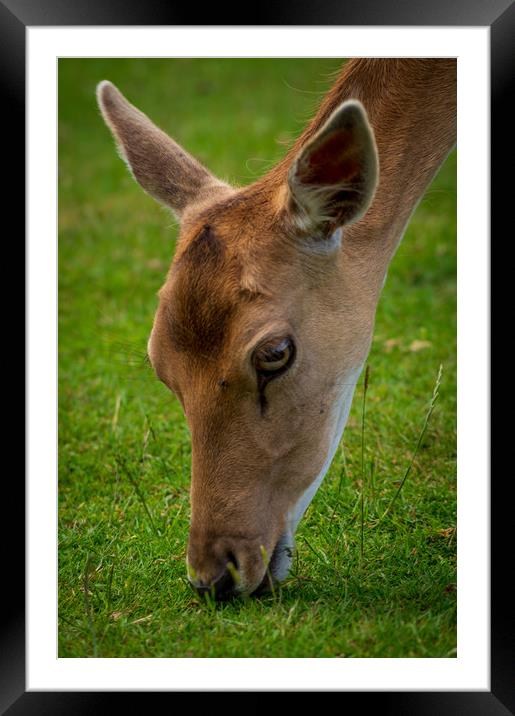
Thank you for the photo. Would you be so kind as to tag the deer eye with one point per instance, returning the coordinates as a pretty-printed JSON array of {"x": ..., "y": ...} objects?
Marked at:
[{"x": 274, "y": 357}]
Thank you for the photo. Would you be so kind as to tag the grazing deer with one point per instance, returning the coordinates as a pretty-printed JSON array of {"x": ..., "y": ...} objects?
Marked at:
[{"x": 266, "y": 316}]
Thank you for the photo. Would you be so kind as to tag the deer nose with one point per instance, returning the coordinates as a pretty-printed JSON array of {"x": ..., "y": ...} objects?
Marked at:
[{"x": 222, "y": 588}]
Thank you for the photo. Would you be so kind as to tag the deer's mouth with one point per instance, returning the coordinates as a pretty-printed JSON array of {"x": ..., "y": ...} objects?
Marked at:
[{"x": 278, "y": 566}]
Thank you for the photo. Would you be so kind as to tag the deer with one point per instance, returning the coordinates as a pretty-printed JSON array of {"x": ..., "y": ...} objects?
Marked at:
[{"x": 266, "y": 316}]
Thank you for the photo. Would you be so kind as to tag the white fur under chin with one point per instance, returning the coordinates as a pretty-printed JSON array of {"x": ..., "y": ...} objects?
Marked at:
[
  {"x": 341, "y": 410},
  {"x": 281, "y": 564}
]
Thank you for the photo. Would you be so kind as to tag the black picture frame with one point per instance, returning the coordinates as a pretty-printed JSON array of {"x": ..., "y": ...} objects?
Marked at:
[{"x": 15, "y": 17}]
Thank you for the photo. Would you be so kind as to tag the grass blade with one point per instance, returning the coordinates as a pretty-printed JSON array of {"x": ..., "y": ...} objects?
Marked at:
[
  {"x": 87, "y": 605},
  {"x": 114, "y": 420},
  {"x": 127, "y": 471},
  {"x": 109, "y": 588},
  {"x": 434, "y": 398},
  {"x": 365, "y": 388}
]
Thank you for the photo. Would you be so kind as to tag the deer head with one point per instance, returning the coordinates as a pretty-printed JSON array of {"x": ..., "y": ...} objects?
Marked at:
[{"x": 261, "y": 331}]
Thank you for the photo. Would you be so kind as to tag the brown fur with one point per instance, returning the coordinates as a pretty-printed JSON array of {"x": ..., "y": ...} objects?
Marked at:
[{"x": 242, "y": 273}]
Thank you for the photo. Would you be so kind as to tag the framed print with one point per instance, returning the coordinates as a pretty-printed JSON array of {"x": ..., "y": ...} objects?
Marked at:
[{"x": 107, "y": 638}]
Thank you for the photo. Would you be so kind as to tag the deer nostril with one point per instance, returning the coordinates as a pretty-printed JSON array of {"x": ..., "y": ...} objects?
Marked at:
[
  {"x": 232, "y": 561},
  {"x": 223, "y": 588}
]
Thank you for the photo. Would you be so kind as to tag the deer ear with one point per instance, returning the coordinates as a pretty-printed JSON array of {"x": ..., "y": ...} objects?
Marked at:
[
  {"x": 333, "y": 178},
  {"x": 159, "y": 165}
]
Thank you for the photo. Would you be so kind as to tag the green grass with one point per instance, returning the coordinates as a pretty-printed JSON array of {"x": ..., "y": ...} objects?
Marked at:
[{"x": 359, "y": 587}]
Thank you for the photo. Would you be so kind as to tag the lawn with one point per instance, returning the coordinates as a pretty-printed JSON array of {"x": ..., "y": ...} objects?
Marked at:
[{"x": 364, "y": 583}]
